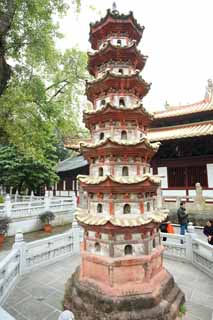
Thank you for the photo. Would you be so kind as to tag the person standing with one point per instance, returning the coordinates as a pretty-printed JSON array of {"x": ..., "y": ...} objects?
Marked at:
[
  {"x": 182, "y": 218},
  {"x": 208, "y": 231}
]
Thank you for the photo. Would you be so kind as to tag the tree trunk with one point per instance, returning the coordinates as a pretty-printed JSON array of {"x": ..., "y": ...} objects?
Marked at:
[{"x": 6, "y": 18}]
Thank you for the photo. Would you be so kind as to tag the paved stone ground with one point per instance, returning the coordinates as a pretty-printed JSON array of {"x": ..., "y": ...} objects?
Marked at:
[{"x": 39, "y": 295}]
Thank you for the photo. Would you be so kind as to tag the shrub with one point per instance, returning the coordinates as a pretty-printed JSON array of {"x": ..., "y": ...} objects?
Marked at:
[
  {"x": 4, "y": 224},
  {"x": 46, "y": 217},
  {"x": 1, "y": 199}
]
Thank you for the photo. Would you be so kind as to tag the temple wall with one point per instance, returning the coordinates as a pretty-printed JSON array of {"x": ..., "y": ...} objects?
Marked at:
[
  {"x": 162, "y": 171},
  {"x": 210, "y": 174}
]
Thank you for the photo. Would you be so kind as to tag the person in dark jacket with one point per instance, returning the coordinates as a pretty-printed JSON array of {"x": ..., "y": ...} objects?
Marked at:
[
  {"x": 208, "y": 231},
  {"x": 182, "y": 218}
]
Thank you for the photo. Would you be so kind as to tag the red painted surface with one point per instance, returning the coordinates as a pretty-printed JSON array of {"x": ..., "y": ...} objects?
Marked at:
[{"x": 119, "y": 276}]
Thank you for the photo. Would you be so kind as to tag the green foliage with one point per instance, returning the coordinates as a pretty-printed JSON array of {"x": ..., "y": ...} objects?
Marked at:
[
  {"x": 182, "y": 310},
  {"x": 1, "y": 199},
  {"x": 23, "y": 172},
  {"x": 46, "y": 217},
  {"x": 40, "y": 101},
  {"x": 4, "y": 224}
]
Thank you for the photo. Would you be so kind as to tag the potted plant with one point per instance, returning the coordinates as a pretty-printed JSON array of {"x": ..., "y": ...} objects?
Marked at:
[
  {"x": 45, "y": 218},
  {"x": 4, "y": 224}
]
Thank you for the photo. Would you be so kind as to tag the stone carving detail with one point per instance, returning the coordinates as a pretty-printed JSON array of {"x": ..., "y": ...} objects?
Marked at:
[{"x": 209, "y": 90}]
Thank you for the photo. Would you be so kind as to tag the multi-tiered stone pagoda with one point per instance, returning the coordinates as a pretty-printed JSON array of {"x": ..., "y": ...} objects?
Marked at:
[{"x": 121, "y": 274}]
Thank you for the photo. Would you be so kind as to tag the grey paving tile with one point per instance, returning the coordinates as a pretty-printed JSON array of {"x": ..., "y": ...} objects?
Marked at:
[
  {"x": 55, "y": 300},
  {"x": 40, "y": 291},
  {"x": 14, "y": 313},
  {"x": 16, "y": 296},
  {"x": 53, "y": 316},
  {"x": 59, "y": 284},
  {"x": 34, "y": 310},
  {"x": 199, "y": 311},
  {"x": 203, "y": 299}
]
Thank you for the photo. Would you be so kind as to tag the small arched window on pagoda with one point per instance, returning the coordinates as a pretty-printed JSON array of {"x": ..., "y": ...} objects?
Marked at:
[
  {"x": 119, "y": 42},
  {"x": 148, "y": 206},
  {"x": 123, "y": 135},
  {"x": 120, "y": 71},
  {"x": 125, "y": 171},
  {"x": 126, "y": 208},
  {"x": 100, "y": 172},
  {"x": 128, "y": 249},
  {"x": 121, "y": 102},
  {"x": 103, "y": 102},
  {"x": 101, "y": 136},
  {"x": 99, "y": 208},
  {"x": 97, "y": 247}
]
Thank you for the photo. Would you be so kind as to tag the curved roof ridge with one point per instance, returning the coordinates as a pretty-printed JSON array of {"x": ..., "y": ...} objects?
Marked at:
[
  {"x": 109, "y": 105},
  {"x": 110, "y": 44},
  {"x": 117, "y": 16},
  {"x": 119, "y": 179},
  {"x": 135, "y": 142},
  {"x": 109, "y": 73},
  {"x": 200, "y": 106}
]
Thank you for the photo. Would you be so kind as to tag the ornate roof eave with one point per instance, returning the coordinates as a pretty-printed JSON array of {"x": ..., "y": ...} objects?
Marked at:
[
  {"x": 112, "y": 16},
  {"x": 117, "y": 16},
  {"x": 204, "y": 105},
  {"x": 127, "y": 220},
  {"x": 183, "y": 131},
  {"x": 126, "y": 143},
  {"x": 93, "y": 56},
  {"x": 109, "y": 107},
  {"x": 129, "y": 180},
  {"x": 114, "y": 76}
]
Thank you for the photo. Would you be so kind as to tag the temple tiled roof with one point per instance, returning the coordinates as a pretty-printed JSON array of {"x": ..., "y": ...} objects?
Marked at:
[
  {"x": 127, "y": 220},
  {"x": 71, "y": 164},
  {"x": 120, "y": 179},
  {"x": 154, "y": 146},
  {"x": 201, "y": 106},
  {"x": 181, "y": 131}
]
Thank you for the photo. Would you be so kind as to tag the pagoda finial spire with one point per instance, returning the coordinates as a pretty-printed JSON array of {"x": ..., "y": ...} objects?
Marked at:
[{"x": 114, "y": 8}]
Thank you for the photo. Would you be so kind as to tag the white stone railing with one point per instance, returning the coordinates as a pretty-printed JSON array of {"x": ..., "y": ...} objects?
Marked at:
[
  {"x": 9, "y": 272},
  {"x": 190, "y": 249},
  {"x": 35, "y": 206},
  {"x": 28, "y": 256}
]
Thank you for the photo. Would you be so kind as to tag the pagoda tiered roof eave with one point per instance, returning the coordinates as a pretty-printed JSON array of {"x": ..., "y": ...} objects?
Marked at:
[
  {"x": 126, "y": 143},
  {"x": 111, "y": 52},
  {"x": 115, "y": 22},
  {"x": 127, "y": 220},
  {"x": 130, "y": 180},
  {"x": 109, "y": 107},
  {"x": 110, "y": 80}
]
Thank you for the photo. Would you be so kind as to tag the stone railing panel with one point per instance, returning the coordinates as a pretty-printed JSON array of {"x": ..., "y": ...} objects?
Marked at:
[
  {"x": 9, "y": 273},
  {"x": 49, "y": 250}
]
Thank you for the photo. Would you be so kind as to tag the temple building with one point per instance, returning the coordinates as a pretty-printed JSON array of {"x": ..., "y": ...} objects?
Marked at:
[
  {"x": 185, "y": 156},
  {"x": 121, "y": 275}
]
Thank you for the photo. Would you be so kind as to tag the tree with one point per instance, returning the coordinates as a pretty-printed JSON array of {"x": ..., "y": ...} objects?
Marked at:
[
  {"x": 39, "y": 90},
  {"x": 23, "y": 173}
]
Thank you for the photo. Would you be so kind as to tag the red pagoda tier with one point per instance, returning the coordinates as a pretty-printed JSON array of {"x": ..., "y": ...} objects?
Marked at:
[
  {"x": 134, "y": 116},
  {"x": 121, "y": 274},
  {"x": 111, "y": 55}
]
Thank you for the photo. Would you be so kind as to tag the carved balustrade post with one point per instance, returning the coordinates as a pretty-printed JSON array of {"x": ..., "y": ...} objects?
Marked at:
[
  {"x": 21, "y": 245},
  {"x": 8, "y": 206}
]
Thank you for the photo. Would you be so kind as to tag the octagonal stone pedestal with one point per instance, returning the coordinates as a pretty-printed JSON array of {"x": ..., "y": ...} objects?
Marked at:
[{"x": 87, "y": 301}]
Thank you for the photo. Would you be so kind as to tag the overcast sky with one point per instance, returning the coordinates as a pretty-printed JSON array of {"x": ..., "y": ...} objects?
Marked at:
[{"x": 178, "y": 38}]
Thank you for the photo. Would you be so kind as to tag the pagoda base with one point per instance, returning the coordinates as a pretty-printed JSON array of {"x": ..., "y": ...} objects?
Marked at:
[{"x": 87, "y": 301}]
